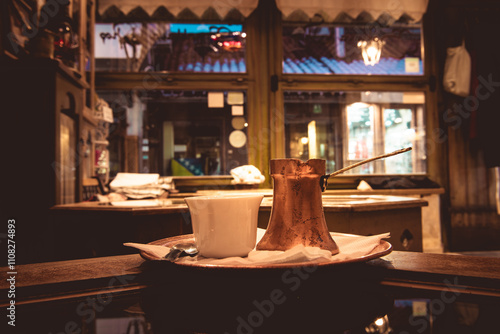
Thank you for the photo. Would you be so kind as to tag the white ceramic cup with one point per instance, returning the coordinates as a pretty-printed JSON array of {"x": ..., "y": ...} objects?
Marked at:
[{"x": 225, "y": 225}]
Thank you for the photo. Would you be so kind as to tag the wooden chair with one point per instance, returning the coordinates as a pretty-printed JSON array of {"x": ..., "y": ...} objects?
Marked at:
[{"x": 91, "y": 187}]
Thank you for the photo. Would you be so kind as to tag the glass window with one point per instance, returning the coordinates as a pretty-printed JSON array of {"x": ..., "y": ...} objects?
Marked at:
[
  {"x": 398, "y": 133},
  {"x": 172, "y": 47},
  {"x": 352, "y": 49},
  {"x": 345, "y": 127},
  {"x": 360, "y": 134},
  {"x": 177, "y": 132}
]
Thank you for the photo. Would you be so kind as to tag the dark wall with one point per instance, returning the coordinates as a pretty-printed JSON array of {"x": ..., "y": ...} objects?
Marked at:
[{"x": 470, "y": 123}]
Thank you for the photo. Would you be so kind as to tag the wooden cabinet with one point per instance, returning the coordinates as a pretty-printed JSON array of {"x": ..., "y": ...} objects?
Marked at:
[
  {"x": 48, "y": 73},
  {"x": 41, "y": 108},
  {"x": 47, "y": 108},
  {"x": 42, "y": 101}
]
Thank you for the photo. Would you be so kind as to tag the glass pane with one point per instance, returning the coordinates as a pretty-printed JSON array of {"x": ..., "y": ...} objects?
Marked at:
[
  {"x": 333, "y": 49},
  {"x": 177, "y": 133},
  {"x": 313, "y": 127},
  {"x": 344, "y": 127},
  {"x": 67, "y": 171},
  {"x": 200, "y": 48},
  {"x": 360, "y": 139},
  {"x": 398, "y": 133}
]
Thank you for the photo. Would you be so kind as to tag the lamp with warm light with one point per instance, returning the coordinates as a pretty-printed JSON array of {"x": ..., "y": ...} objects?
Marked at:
[{"x": 371, "y": 50}]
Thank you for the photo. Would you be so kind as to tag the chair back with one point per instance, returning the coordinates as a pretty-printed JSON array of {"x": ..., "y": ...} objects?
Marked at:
[{"x": 91, "y": 187}]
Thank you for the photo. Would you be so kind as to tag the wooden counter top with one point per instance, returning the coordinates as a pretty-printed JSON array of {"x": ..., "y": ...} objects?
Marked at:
[
  {"x": 66, "y": 280},
  {"x": 160, "y": 206},
  {"x": 183, "y": 299}
]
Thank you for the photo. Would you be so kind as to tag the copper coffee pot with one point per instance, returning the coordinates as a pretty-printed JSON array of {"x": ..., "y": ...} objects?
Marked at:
[{"x": 297, "y": 215}]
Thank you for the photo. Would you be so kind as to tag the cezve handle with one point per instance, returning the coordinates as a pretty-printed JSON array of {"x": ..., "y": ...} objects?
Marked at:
[{"x": 323, "y": 181}]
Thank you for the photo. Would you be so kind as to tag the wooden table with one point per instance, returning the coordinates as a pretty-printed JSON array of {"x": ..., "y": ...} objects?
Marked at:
[
  {"x": 58, "y": 296},
  {"x": 90, "y": 229}
]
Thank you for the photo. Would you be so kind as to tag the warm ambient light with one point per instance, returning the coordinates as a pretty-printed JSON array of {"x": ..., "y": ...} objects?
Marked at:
[
  {"x": 371, "y": 50},
  {"x": 311, "y": 134},
  {"x": 379, "y": 322},
  {"x": 229, "y": 41}
]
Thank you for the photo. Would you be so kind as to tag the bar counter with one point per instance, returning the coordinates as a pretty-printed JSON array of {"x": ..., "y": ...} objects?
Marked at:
[{"x": 75, "y": 294}]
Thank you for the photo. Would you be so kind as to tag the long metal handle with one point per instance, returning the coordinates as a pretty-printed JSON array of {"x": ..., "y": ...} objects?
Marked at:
[{"x": 324, "y": 179}]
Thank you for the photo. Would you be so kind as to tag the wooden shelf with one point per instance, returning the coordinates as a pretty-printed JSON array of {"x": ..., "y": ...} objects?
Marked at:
[{"x": 88, "y": 115}]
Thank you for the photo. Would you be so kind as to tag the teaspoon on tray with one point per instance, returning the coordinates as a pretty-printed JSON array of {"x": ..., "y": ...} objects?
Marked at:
[{"x": 181, "y": 249}]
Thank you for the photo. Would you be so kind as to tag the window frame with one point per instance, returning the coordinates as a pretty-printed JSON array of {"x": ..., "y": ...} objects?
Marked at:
[
  {"x": 366, "y": 26},
  {"x": 264, "y": 83}
]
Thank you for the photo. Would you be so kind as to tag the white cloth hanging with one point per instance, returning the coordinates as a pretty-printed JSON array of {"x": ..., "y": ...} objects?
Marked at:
[
  {"x": 329, "y": 10},
  {"x": 198, "y": 7}
]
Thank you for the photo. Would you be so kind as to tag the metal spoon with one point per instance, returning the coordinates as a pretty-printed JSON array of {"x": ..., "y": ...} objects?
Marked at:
[{"x": 178, "y": 250}]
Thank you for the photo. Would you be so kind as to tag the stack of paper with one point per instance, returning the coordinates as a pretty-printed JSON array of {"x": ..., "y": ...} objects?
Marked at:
[{"x": 138, "y": 185}]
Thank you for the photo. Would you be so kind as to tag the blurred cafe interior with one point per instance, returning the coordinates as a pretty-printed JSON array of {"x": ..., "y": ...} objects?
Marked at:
[{"x": 114, "y": 111}]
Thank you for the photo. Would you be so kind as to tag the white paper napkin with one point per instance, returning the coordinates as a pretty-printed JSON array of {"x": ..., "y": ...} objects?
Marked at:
[
  {"x": 350, "y": 247},
  {"x": 247, "y": 174},
  {"x": 128, "y": 180}
]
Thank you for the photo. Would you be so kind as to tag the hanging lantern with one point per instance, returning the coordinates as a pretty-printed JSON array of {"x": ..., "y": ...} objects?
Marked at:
[{"x": 371, "y": 50}]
